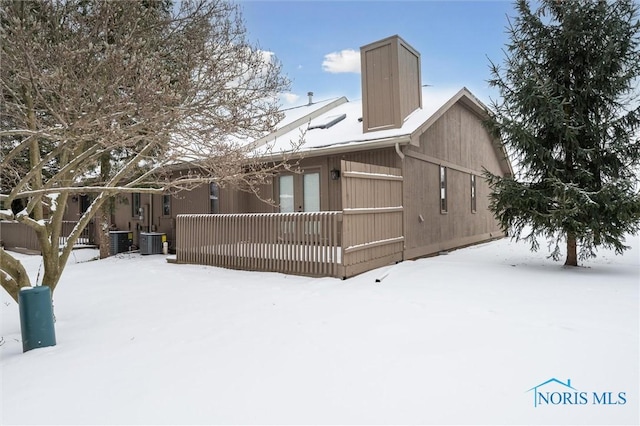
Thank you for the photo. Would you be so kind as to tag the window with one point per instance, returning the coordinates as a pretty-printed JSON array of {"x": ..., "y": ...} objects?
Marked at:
[
  {"x": 473, "y": 193},
  {"x": 443, "y": 189},
  {"x": 135, "y": 204},
  {"x": 166, "y": 205},
  {"x": 286, "y": 194},
  {"x": 299, "y": 193},
  {"x": 214, "y": 197},
  {"x": 311, "y": 192}
]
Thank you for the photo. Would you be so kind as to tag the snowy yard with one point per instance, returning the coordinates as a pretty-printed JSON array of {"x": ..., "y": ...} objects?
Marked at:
[{"x": 454, "y": 339}]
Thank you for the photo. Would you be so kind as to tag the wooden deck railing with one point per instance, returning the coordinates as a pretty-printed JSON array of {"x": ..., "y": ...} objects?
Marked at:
[
  {"x": 18, "y": 235},
  {"x": 87, "y": 237},
  {"x": 368, "y": 233},
  {"x": 296, "y": 243}
]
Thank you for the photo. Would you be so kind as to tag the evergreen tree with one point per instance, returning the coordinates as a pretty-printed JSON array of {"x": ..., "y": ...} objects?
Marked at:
[{"x": 570, "y": 118}]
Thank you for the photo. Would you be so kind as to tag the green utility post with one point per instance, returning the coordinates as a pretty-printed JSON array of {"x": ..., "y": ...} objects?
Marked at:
[{"x": 36, "y": 317}]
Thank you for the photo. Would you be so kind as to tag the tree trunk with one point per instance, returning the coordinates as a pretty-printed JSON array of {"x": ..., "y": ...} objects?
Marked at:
[
  {"x": 572, "y": 251},
  {"x": 16, "y": 276},
  {"x": 104, "y": 215},
  {"x": 103, "y": 222},
  {"x": 52, "y": 269}
]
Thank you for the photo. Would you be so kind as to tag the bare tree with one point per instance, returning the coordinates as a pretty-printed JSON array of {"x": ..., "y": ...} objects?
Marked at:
[{"x": 103, "y": 98}]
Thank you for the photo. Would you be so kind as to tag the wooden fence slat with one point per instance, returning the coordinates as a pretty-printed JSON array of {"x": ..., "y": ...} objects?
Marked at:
[
  {"x": 299, "y": 243},
  {"x": 373, "y": 215},
  {"x": 18, "y": 235}
]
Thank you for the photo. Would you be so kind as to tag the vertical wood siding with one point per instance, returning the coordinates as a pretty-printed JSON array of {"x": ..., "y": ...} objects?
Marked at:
[
  {"x": 390, "y": 83},
  {"x": 409, "y": 80},
  {"x": 378, "y": 84},
  {"x": 459, "y": 142}
]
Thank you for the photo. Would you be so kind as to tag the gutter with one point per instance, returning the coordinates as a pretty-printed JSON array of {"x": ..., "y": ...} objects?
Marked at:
[{"x": 352, "y": 146}]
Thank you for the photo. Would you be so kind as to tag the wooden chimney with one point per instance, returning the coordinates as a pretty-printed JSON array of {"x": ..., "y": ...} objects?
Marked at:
[{"x": 391, "y": 83}]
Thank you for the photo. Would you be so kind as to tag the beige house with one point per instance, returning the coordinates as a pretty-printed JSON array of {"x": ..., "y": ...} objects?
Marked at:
[{"x": 395, "y": 176}]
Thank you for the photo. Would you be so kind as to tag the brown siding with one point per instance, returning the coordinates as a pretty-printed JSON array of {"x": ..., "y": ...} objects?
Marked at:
[
  {"x": 378, "y": 86},
  {"x": 250, "y": 203},
  {"x": 409, "y": 80},
  {"x": 72, "y": 210},
  {"x": 194, "y": 201},
  {"x": 459, "y": 137},
  {"x": 122, "y": 215},
  {"x": 458, "y": 141},
  {"x": 330, "y": 190},
  {"x": 391, "y": 83}
]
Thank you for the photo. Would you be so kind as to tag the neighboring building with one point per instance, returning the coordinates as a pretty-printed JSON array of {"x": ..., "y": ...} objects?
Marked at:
[{"x": 402, "y": 169}]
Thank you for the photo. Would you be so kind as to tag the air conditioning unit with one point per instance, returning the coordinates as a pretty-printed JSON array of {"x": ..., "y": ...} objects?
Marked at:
[
  {"x": 120, "y": 241},
  {"x": 151, "y": 242}
]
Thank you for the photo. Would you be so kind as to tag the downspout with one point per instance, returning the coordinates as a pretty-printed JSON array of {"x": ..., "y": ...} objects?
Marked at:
[
  {"x": 399, "y": 151},
  {"x": 404, "y": 218}
]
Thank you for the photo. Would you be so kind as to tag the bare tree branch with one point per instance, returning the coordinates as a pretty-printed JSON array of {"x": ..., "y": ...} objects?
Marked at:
[{"x": 114, "y": 97}]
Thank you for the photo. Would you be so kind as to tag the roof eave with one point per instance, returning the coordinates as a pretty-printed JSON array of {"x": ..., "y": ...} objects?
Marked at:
[
  {"x": 464, "y": 95},
  {"x": 340, "y": 148},
  {"x": 475, "y": 106}
]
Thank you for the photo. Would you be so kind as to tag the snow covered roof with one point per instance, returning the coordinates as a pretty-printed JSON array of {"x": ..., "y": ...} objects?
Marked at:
[
  {"x": 294, "y": 113},
  {"x": 339, "y": 126},
  {"x": 335, "y": 125},
  {"x": 297, "y": 117},
  {"x": 189, "y": 145}
]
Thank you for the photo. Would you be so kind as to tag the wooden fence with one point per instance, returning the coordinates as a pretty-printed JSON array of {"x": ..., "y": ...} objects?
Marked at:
[
  {"x": 17, "y": 235},
  {"x": 368, "y": 233},
  {"x": 296, "y": 243},
  {"x": 373, "y": 234}
]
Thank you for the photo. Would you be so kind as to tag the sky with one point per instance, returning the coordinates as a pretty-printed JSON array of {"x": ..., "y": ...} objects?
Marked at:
[{"x": 318, "y": 42}]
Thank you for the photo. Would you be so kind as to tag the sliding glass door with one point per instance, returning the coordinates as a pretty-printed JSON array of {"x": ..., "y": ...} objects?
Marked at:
[{"x": 299, "y": 192}]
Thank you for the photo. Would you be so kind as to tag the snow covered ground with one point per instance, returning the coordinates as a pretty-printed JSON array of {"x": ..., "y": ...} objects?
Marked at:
[{"x": 454, "y": 339}]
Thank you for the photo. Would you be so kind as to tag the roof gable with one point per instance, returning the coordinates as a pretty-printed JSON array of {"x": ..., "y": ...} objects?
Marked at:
[
  {"x": 348, "y": 131},
  {"x": 337, "y": 127}
]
